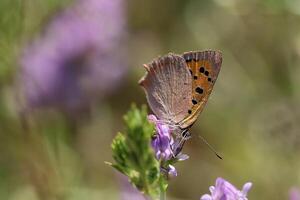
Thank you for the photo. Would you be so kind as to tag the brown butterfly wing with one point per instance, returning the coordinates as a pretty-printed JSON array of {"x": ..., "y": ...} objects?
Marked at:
[
  {"x": 204, "y": 68},
  {"x": 168, "y": 87}
]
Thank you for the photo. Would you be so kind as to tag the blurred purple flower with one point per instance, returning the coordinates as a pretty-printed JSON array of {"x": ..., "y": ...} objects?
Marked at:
[
  {"x": 128, "y": 192},
  {"x": 79, "y": 57},
  {"x": 226, "y": 191},
  {"x": 294, "y": 194}
]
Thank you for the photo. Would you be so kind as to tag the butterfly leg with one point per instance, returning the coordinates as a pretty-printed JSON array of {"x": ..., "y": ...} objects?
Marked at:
[{"x": 178, "y": 144}]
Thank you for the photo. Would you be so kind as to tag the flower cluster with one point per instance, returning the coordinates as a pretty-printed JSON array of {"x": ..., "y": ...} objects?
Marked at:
[
  {"x": 226, "y": 191},
  {"x": 164, "y": 146},
  {"x": 77, "y": 58}
]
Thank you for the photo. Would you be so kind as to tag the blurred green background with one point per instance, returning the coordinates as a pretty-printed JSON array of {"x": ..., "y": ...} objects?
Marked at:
[{"x": 252, "y": 117}]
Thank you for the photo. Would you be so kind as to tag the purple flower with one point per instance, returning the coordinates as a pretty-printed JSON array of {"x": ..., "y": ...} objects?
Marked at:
[
  {"x": 226, "y": 191},
  {"x": 78, "y": 58},
  {"x": 294, "y": 194},
  {"x": 162, "y": 144},
  {"x": 172, "y": 171},
  {"x": 162, "y": 141}
]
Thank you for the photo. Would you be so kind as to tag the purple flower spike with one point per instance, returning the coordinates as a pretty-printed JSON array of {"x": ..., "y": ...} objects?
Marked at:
[
  {"x": 294, "y": 194},
  {"x": 78, "y": 57},
  {"x": 226, "y": 191},
  {"x": 162, "y": 142}
]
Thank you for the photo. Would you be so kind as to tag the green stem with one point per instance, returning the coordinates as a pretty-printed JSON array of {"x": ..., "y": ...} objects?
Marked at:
[{"x": 163, "y": 194}]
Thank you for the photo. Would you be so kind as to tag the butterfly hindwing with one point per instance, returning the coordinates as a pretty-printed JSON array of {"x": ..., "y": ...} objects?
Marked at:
[{"x": 168, "y": 88}]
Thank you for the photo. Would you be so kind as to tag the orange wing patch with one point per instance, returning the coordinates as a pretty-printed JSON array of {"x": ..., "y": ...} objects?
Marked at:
[{"x": 204, "y": 68}]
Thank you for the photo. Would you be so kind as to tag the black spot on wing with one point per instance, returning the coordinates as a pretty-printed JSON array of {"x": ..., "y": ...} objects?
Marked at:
[
  {"x": 199, "y": 90},
  {"x": 201, "y": 70},
  {"x": 194, "y": 102}
]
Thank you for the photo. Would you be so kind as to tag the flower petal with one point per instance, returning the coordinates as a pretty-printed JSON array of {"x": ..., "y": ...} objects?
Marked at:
[
  {"x": 206, "y": 197},
  {"x": 182, "y": 157},
  {"x": 246, "y": 188},
  {"x": 152, "y": 118},
  {"x": 212, "y": 189},
  {"x": 172, "y": 171},
  {"x": 224, "y": 190}
]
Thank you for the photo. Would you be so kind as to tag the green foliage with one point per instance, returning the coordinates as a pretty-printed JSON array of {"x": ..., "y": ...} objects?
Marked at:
[{"x": 134, "y": 156}]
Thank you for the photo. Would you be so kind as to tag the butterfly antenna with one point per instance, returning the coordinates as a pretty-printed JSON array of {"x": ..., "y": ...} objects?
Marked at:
[{"x": 210, "y": 147}]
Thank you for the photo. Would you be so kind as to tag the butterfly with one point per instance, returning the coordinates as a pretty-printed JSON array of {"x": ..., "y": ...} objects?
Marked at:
[{"x": 177, "y": 88}]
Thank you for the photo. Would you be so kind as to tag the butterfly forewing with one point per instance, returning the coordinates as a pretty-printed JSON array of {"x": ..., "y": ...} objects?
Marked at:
[
  {"x": 168, "y": 87},
  {"x": 204, "y": 68}
]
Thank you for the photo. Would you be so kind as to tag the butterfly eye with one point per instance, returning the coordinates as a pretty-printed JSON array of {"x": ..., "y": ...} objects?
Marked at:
[{"x": 188, "y": 60}]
